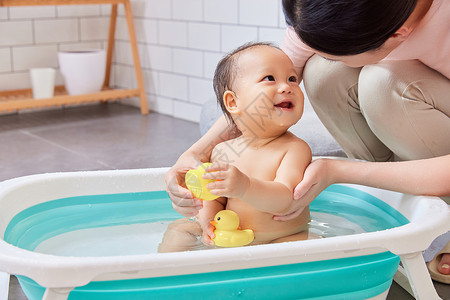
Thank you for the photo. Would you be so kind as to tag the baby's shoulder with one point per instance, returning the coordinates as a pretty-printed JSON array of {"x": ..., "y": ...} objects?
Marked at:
[
  {"x": 224, "y": 150},
  {"x": 223, "y": 145},
  {"x": 293, "y": 142}
]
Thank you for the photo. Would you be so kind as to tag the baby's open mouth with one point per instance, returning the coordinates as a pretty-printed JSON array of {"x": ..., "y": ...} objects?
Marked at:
[{"x": 285, "y": 105}]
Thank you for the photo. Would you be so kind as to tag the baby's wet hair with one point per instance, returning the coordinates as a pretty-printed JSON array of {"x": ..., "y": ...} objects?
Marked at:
[{"x": 226, "y": 71}]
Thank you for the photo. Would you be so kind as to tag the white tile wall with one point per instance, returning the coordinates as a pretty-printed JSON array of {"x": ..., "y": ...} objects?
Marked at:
[
  {"x": 27, "y": 12},
  {"x": 3, "y": 13},
  {"x": 203, "y": 36},
  {"x": 200, "y": 89},
  {"x": 123, "y": 53},
  {"x": 211, "y": 60},
  {"x": 188, "y": 62},
  {"x": 94, "y": 28},
  {"x": 258, "y": 12},
  {"x": 189, "y": 10},
  {"x": 14, "y": 81},
  {"x": 180, "y": 43},
  {"x": 186, "y": 111},
  {"x": 161, "y": 104},
  {"x": 269, "y": 34},
  {"x": 219, "y": 11},
  {"x": 124, "y": 76},
  {"x": 172, "y": 33},
  {"x": 122, "y": 30},
  {"x": 173, "y": 86},
  {"x": 56, "y": 30},
  {"x": 28, "y": 57},
  {"x": 16, "y": 33},
  {"x": 78, "y": 10},
  {"x": 146, "y": 31},
  {"x": 234, "y": 35},
  {"x": 151, "y": 80},
  {"x": 5, "y": 60},
  {"x": 158, "y": 58},
  {"x": 153, "y": 9}
]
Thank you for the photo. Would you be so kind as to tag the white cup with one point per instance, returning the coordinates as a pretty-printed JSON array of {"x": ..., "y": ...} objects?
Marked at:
[{"x": 43, "y": 82}]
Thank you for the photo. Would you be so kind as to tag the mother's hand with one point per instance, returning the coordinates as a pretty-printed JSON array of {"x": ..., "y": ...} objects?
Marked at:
[
  {"x": 317, "y": 177},
  {"x": 182, "y": 199}
]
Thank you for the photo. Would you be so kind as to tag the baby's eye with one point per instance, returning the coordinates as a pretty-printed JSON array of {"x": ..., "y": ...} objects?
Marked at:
[
  {"x": 269, "y": 78},
  {"x": 293, "y": 79}
]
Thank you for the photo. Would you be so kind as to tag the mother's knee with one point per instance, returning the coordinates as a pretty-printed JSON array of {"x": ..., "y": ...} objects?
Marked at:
[
  {"x": 325, "y": 79},
  {"x": 384, "y": 84},
  {"x": 401, "y": 104},
  {"x": 379, "y": 88}
]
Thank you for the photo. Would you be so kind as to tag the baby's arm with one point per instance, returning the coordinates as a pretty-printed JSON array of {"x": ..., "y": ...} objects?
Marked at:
[
  {"x": 207, "y": 214},
  {"x": 270, "y": 196}
]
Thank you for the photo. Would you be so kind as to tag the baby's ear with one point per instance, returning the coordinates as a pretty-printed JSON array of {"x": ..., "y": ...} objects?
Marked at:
[{"x": 230, "y": 102}]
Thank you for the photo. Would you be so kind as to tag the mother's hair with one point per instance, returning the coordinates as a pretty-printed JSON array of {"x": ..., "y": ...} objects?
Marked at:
[{"x": 346, "y": 27}]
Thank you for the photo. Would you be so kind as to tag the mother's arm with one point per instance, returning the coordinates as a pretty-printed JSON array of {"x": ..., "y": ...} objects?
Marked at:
[
  {"x": 182, "y": 199},
  {"x": 419, "y": 177}
]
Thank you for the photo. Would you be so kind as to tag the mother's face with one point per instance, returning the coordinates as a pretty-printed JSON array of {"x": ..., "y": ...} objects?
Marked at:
[{"x": 369, "y": 57}]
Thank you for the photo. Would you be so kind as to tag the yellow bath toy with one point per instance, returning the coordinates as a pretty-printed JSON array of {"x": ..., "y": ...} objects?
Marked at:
[
  {"x": 197, "y": 185},
  {"x": 227, "y": 233}
]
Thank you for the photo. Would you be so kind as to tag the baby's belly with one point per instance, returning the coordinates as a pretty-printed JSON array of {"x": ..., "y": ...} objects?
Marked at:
[{"x": 263, "y": 225}]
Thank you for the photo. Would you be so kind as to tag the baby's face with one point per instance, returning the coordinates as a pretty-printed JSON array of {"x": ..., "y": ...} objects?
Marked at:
[{"x": 267, "y": 89}]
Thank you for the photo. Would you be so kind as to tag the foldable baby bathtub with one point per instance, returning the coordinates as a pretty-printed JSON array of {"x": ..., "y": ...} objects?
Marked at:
[{"x": 35, "y": 209}]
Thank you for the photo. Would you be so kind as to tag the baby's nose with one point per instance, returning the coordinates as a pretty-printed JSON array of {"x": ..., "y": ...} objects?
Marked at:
[{"x": 284, "y": 88}]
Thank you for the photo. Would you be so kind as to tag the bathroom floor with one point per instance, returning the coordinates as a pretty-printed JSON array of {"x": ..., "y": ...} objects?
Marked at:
[{"x": 100, "y": 137}]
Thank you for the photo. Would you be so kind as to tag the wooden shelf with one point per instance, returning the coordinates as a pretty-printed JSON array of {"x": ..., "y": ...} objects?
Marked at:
[
  {"x": 15, "y": 100},
  {"x": 11, "y": 100},
  {"x": 57, "y": 2}
]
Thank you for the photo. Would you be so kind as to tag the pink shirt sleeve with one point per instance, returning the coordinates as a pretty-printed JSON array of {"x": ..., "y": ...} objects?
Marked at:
[{"x": 297, "y": 51}]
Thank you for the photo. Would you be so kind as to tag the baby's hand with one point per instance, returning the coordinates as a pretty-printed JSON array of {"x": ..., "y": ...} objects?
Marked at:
[
  {"x": 230, "y": 182},
  {"x": 208, "y": 235}
]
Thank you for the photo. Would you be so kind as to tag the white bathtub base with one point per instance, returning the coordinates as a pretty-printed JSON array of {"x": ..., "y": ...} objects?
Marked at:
[
  {"x": 4, "y": 285},
  {"x": 418, "y": 276},
  {"x": 402, "y": 280}
]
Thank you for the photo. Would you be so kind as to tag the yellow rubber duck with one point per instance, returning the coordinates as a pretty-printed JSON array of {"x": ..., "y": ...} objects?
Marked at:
[
  {"x": 197, "y": 185},
  {"x": 227, "y": 233}
]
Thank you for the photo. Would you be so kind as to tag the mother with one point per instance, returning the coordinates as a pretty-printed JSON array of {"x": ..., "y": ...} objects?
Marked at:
[{"x": 377, "y": 75}]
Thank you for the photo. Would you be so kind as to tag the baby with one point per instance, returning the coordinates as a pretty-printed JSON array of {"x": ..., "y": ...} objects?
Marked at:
[{"x": 257, "y": 87}]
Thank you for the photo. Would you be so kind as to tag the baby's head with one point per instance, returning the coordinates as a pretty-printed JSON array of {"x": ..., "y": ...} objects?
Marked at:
[{"x": 258, "y": 75}]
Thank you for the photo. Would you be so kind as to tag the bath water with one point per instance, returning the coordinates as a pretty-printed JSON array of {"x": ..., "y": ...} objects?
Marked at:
[{"x": 145, "y": 238}]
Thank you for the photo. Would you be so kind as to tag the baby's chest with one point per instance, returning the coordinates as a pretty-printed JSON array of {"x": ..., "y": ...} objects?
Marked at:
[{"x": 257, "y": 164}]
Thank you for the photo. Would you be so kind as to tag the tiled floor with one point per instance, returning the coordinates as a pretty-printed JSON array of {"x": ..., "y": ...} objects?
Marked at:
[
  {"x": 90, "y": 138},
  {"x": 99, "y": 137}
]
